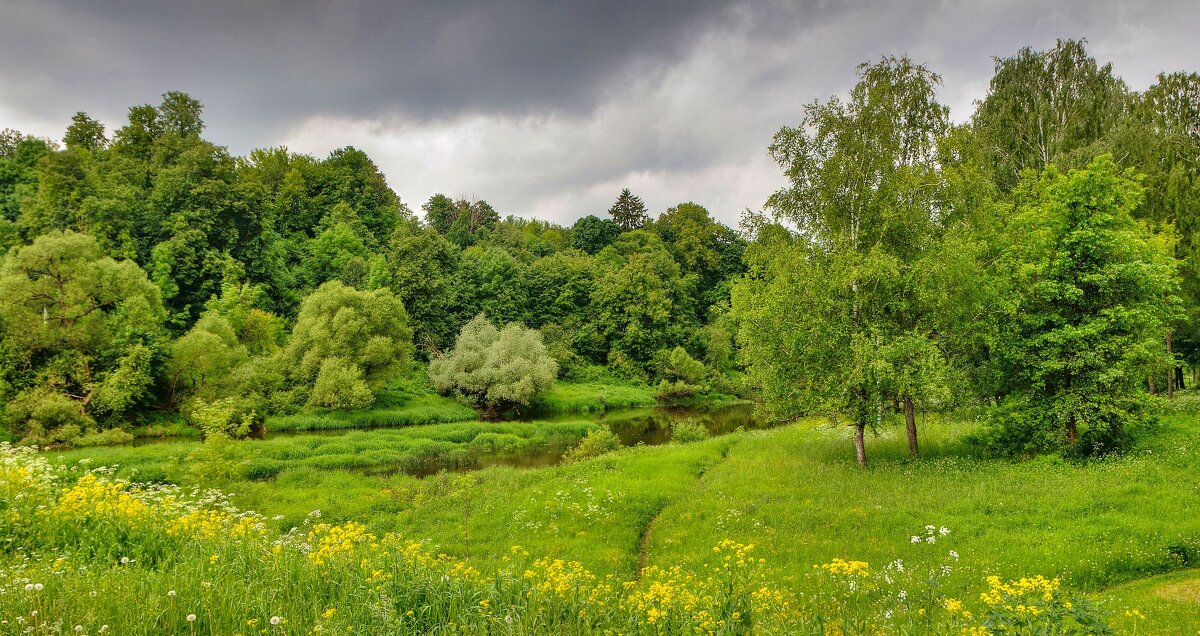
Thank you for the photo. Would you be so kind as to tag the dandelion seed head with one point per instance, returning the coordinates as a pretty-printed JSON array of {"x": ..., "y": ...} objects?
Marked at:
[
  {"x": 275, "y": 620},
  {"x": 191, "y": 618}
]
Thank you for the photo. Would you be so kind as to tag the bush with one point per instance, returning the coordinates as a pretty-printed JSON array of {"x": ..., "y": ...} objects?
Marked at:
[
  {"x": 340, "y": 385},
  {"x": 229, "y": 417},
  {"x": 688, "y": 431},
  {"x": 47, "y": 418},
  {"x": 1021, "y": 427},
  {"x": 597, "y": 442},
  {"x": 495, "y": 369},
  {"x": 667, "y": 391},
  {"x": 684, "y": 367},
  {"x": 109, "y": 437}
]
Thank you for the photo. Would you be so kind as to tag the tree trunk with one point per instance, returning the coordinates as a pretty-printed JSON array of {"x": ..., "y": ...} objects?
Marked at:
[
  {"x": 910, "y": 424},
  {"x": 1179, "y": 377},
  {"x": 1171, "y": 371},
  {"x": 1072, "y": 433},
  {"x": 860, "y": 448},
  {"x": 1153, "y": 387}
]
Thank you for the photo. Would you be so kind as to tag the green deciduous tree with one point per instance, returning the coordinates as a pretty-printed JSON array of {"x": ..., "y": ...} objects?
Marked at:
[
  {"x": 1043, "y": 105},
  {"x": 640, "y": 303},
  {"x": 1090, "y": 292},
  {"x": 78, "y": 328},
  {"x": 496, "y": 369},
  {"x": 85, "y": 133},
  {"x": 592, "y": 233},
  {"x": 423, "y": 266},
  {"x": 831, "y": 319},
  {"x": 346, "y": 344}
]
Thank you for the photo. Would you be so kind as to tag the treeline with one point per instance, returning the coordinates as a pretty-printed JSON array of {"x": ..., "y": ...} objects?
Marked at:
[
  {"x": 152, "y": 271},
  {"x": 1039, "y": 261}
]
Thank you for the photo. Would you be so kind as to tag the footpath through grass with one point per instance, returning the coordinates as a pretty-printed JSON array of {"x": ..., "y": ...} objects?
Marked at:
[
  {"x": 793, "y": 492},
  {"x": 797, "y": 495}
]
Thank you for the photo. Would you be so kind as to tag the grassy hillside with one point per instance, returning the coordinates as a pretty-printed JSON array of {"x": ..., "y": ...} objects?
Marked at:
[{"x": 795, "y": 494}]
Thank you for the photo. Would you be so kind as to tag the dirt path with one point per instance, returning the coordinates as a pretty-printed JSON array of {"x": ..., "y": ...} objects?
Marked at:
[{"x": 644, "y": 543}]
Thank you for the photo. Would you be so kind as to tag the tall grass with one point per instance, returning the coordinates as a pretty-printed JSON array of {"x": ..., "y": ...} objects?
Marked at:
[
  {"x": 567, "y": 398},
  {"x": 427, "y": 409},
  {"x": 795, "y": 493},
  {"x": 88, "y": 554}
]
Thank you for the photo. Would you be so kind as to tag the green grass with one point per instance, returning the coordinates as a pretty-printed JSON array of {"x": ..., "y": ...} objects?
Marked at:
[
  {"x": 342, "y": 474},
  {"x": 1168, "y": 601},
  {"x": 592, "y": 397},
  {"x": 1103, "y": 526},
  {"x": 424, "y": 409},
  {"x": 797, "y": 494}
]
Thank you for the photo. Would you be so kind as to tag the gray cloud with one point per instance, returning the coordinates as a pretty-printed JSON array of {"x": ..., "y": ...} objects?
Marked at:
[{"x": 543, "y": 108}]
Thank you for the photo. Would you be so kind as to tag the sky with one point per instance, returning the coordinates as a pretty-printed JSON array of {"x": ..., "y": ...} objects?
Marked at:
[{"x": 546, "y": 109}]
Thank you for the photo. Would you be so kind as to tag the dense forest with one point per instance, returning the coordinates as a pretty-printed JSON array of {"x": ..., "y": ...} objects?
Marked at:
[{"x": 1038, "y": 263}]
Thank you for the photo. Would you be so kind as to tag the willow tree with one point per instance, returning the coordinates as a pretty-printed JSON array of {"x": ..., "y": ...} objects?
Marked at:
[
  {"x": 495, "y": 369},
  {"x": 346, "y": 344},
  {"x": 832, "y": 316}
]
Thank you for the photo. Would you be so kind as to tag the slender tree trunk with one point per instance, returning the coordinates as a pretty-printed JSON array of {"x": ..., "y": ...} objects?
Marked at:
[
  {"x": 910, "y": 424},
  {"x": 1072, "y": 433},
  {"x": 860, "y": 447},
  {"x": 1179, "y": 378},
  {"x": 1171, "y": 371},
  {"x": 1153, "y": 387}
]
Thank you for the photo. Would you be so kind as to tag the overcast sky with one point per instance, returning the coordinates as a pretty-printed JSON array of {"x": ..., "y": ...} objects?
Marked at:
[{"x": 545, "y": 109}]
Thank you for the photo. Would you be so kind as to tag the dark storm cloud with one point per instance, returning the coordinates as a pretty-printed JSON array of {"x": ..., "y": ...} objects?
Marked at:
[
  {"x": 543, "y": 108},
  {"x": 266, "y": 63}
]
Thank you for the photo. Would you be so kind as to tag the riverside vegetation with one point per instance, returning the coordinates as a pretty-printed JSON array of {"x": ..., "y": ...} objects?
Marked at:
[{"x": 259, "y": 395}]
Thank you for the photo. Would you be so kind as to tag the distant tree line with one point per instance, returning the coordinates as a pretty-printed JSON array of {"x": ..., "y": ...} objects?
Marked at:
[
  {"x": 150, "y": 271},
  {"x": 1037, "y": 264}
]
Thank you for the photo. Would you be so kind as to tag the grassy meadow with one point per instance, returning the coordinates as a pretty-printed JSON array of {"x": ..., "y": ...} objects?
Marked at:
[{"x": 606, "y": 544}]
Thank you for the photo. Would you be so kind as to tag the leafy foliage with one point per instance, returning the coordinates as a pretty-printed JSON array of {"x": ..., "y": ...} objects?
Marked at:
[
  {"x": 495, "y": 369},
  {"x": 82, "y": 333},
  {"x": 346, "y": 344},
  {"x": 1092, "y": 293}
]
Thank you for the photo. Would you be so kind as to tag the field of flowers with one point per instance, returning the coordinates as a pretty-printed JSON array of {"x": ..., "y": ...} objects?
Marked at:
[{"x": 85, "y": 552}]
